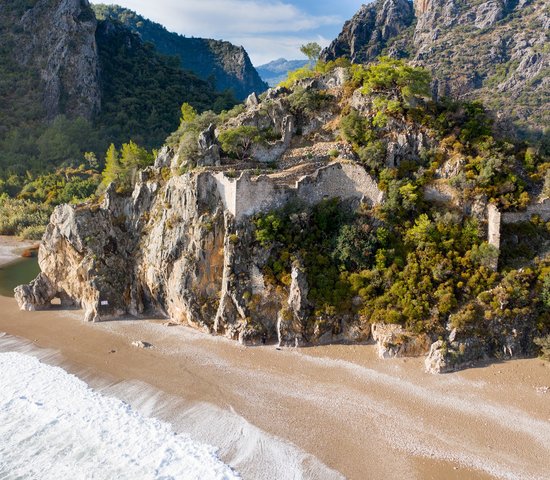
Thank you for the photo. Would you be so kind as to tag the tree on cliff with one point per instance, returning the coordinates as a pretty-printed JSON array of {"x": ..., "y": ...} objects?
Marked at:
[
  {"x": 238, "y": 141},
  {"x": 120, "y": 167},
  {"x": 112, "y": 169},
  {"x": 312, "y": 51}
]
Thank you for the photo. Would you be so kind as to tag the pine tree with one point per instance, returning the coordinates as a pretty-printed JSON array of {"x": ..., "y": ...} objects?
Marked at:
[{"x": 113, "y": 167}]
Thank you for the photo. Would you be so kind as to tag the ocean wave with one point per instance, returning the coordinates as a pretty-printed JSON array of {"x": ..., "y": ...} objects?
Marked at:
[{"x": 53, "y": 426}]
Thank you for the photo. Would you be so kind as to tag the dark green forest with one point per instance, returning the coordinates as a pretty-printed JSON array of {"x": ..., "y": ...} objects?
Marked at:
[{"x": 211, "y": 60}]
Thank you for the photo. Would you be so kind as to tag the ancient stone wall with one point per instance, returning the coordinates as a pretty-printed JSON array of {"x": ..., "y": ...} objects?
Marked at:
[
  {"x": 344, "y": 180},
  {"x": 227, "y": 188},
  {"x": 245, "y": 196},
  {"x": 541, "y": 209},
  {"x": 493, "y": 220}
]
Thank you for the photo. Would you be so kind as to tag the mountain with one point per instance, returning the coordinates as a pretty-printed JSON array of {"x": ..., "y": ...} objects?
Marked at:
[
  {"x": 365, "y": 36},
  {"x": 494, "y": 50},
  {"x": 48, "y": 60},
  {"x": 276, "y": 71},
  {"x": 227, "y": 64},
  {"x": 142, "y": 90},
  {"x": 71, "y": 84}
]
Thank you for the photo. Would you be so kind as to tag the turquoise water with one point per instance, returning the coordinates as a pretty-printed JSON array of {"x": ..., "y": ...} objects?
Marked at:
[{"x": 17, "y": 273}]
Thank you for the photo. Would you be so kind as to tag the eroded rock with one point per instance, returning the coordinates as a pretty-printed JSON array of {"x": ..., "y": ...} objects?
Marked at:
[{"x": 394, "y": 341}]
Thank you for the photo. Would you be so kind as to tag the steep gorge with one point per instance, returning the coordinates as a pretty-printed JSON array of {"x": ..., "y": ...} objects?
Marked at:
[{"x": 226, "y": 64}]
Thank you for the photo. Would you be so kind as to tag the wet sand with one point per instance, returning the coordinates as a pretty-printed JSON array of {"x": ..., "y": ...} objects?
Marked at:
[{"x": 328, "y": 411}]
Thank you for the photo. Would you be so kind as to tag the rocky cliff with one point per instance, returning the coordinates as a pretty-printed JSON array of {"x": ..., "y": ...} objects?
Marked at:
[
  {"x": 495, "y": 51},
  {"x": 367, "y": 34},
  {"x": 304, "y": 217},
  {"x": 228, "y": 65},
  {"x": 57, "y": 39}
]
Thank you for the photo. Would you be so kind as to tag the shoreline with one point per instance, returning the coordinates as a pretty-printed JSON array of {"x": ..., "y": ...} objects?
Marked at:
[
  {"x": 11, "y": 248},
  {"x": 338, "y": 408}
]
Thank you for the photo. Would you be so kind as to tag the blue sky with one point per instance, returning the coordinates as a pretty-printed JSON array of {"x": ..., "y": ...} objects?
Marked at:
[{"x": 268, "y": 29}]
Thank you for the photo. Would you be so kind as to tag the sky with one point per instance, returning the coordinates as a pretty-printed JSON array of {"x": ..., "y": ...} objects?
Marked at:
[{"x": 268, "y": 29}]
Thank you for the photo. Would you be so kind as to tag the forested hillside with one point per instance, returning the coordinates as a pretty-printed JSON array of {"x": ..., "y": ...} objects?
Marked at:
[
  {"x": 69, "y": 87},
  {"x": 223, "y": 63}
]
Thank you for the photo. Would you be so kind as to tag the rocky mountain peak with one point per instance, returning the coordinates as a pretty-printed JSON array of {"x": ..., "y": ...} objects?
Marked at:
[{"x": 367, "y": 33}]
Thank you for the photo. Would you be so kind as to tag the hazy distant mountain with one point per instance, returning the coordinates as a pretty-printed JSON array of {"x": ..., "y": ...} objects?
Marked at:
[
  {"x": 276, "y": 71},
  {"x": 228, "y": 65}
]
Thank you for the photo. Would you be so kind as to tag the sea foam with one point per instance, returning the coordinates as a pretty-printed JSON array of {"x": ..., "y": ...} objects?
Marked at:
[{"x": 53, "y": 426}]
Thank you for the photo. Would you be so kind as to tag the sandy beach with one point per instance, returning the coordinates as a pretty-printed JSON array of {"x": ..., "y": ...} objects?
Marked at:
[{"x": 331, "y": 412}]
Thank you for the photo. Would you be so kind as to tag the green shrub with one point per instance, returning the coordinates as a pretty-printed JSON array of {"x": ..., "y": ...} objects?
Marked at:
[
  {"x": 34, "y": 232},
  {"x": 544, "y": 344},
  {"x": 238, "y": 141},
  {"x": 17, "y": 216}
]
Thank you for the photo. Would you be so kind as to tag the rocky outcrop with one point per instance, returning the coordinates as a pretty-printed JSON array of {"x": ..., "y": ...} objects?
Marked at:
[
  {"x": 291, "y": 320},
  {"x": 58, "y": 40},
  {"x": 36, "y": 295},
  {"x": 366, "y": 35},
  {"x": 209, "y": 150},
  {"x": 394, "y": 341},
  {"x": 449, "y": 356},
  {"x": 493, "y": 51},
  {"x": 177, "y": 249},
  {"x": 236, "y": 249}
]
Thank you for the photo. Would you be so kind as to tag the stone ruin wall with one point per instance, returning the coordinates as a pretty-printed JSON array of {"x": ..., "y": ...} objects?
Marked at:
[
  {"x": 493, "y": 220},
  {"x": 541, "y": 209},
  {"x": 244, "y": 196}
]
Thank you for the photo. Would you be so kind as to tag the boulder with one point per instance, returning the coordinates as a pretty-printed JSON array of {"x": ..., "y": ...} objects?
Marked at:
[
  {"x": 37, "y": 295},
  {"x": 394, "y": 341},
  {"x": 208, "y": 147},
  {"x": 252, "y": 100}
]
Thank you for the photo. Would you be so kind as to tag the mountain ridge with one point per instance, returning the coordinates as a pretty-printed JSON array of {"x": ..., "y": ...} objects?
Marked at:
[
  {"x": 228, "y": 65},
  {"x": 277, "y": 70},
  {"x": 495, "y": 51}
]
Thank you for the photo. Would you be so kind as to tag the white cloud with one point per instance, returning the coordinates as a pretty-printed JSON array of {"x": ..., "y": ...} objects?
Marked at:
[
  {"x": 267, "y": 29},
  {"x": 230, "y": 17}
]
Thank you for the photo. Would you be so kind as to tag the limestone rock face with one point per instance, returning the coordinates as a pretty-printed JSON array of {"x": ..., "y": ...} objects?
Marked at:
[
  {"x": 395, "y": 341},
  {"x": 299, "y": 289},
  {"x": 467, "y": 45},
  {"x": 64, "y": 50},
  {"x": 291, "y": 320},
  {"x": 209, "y": 148},
  {"x": 366, "y": 34}
]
